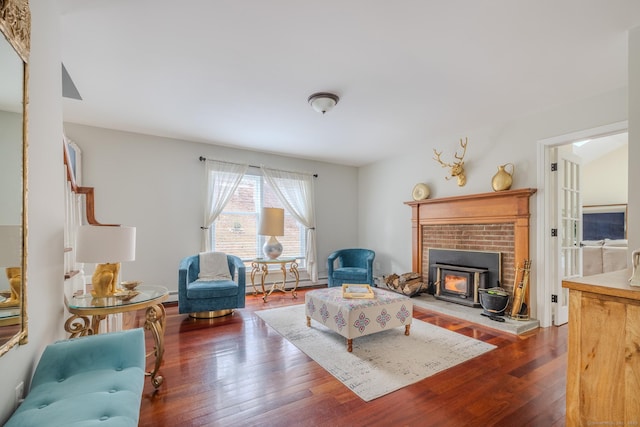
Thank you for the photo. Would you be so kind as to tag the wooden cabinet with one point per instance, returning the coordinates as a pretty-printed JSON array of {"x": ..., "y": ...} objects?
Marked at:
[{"x": 603, "y": 369}]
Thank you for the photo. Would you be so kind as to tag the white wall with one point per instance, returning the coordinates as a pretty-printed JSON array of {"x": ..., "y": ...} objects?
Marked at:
[
  {"x": 46, "y": 205},
  {"x": 157, "y": 185},
  {"x": 605, "y": 180},
  {"x": 385, "y": 222}
]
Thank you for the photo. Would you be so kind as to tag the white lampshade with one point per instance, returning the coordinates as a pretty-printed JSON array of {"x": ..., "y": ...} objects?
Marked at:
[
  {"x": 323, "y": 101},
  {"x": 271, "y": 222},
  {"x": 105, "y": 244},
  {"x": 10, "y": 246}
]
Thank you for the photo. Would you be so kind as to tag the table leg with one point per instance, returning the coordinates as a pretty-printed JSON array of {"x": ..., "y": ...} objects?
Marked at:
[
  {"x": 349, "y": 345},
  {"x": 95, "y": 322},
  {"x": 78, "y": 326},
  {"x": 263, "y": 278},
  {"x": 254, "y": 269},
  {"x": 155, "y": 322},
  {"x": 407, "y": 329},
  {"x": 294, "y": 271}
]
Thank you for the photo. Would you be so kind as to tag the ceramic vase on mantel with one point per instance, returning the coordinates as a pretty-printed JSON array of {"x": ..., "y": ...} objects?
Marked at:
[{"x": 502, "y": 180}]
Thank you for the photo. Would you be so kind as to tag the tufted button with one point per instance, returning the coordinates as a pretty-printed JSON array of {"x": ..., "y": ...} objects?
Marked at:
[
  {"x": 61, "y": 379},
  {"x": 119, "y": 368},
  {"x": 104, "y": 418},
  {"x": 43, "y": 406},
  {"x": 113, "y": 390}
]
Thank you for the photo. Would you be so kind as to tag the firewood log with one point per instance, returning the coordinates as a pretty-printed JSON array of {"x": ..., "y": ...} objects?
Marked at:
[
  {"x": 413, "y": 287},
  {"x": 389, "y": 281},
  {"x": 410, "y": 276}
]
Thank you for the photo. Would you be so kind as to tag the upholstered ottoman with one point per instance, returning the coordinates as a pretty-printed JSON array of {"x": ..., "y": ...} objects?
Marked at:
[{"x": 354, "y": 318}]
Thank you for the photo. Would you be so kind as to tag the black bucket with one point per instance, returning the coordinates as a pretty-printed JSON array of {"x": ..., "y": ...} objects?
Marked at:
[{"x": 494, "y": 301}]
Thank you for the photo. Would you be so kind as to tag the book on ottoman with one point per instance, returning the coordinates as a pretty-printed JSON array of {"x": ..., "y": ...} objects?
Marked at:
[{"x": 356, "y": 290}]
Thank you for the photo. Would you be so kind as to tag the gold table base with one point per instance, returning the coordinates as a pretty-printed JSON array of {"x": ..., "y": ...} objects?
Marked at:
[
  {"x": 211, "y": 314},
  {"x": 262, "y": 266},
  {"x": 155, "y": 319}
]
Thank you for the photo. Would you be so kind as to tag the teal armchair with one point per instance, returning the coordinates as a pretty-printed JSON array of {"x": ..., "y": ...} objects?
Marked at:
[
  {"x": 350, "y": 266},
  {"x": 214, "y": 298}
]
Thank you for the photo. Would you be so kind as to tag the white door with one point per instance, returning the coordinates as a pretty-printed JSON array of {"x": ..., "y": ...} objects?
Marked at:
[{"x": 568, "y": 229}]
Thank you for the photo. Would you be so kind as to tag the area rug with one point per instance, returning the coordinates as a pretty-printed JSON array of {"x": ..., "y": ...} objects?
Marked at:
[{"x": 382, "y": 362}]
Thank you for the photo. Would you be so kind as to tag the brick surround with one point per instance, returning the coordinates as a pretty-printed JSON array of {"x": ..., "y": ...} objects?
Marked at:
[{"x": 473, "y": 237}]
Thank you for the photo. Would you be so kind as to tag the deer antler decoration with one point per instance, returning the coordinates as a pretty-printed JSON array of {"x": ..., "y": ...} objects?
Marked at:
[{"x": 457, "y": 168}]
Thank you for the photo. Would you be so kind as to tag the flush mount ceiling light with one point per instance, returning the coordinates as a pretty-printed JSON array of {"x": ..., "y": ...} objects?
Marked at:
[{"x": 323, "y": 101}]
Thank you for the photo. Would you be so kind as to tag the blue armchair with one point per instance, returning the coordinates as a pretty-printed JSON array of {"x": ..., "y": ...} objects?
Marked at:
[
  {"x": 350, "y": 266},
  {"x": 207, "y": 299}
]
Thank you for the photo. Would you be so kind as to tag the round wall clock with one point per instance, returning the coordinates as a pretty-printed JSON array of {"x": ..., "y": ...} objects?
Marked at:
[{"x": 420, "y": 192}]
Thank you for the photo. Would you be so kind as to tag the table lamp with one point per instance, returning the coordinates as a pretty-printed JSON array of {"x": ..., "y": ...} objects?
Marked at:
[
  {"x": 11, "y": 259},
  {"x": 272, "y": 225},
  {"x": 109, "y": 246}
]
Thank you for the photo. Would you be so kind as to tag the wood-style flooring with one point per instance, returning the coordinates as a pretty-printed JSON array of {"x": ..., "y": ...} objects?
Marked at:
[{"x": 237, "y": 371}]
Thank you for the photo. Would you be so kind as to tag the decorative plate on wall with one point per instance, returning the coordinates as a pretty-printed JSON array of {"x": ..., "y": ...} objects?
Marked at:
[{"x": 420, "y": 191}]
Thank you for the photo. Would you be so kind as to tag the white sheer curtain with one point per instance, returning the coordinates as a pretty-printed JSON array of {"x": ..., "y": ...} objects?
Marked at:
[
  {"x": 222, "y": 180},
  {"x": 295, "y": 191}
]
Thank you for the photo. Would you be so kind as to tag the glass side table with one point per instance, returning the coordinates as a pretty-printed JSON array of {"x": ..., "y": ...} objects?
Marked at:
[
  {"x": 261, "y": 265},
  {"x": 149, "y": 297}
]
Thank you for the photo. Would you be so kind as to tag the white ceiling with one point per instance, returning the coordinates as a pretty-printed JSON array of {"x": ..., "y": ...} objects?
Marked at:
[
  {"x": 238, "y": 73},
  {"x": 592, "y": 149}
]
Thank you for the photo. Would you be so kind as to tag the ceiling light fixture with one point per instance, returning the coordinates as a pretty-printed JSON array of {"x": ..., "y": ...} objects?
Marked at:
[{"x": 323, "y": 101}]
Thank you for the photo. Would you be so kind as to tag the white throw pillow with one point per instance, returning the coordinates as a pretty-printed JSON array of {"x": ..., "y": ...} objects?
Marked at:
[{"x": 213, "y": 266}]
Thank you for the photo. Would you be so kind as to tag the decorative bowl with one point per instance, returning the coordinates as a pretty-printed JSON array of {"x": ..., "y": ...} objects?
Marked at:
[
  {"x": 131, "y": 285},
  {"x": 126, "y": 296}
]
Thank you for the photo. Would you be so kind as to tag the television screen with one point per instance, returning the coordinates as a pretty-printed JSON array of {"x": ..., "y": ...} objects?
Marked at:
[{"x": 603, "y": 225}]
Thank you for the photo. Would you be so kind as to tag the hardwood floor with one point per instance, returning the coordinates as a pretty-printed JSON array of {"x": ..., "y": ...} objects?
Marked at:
[{"x": 237, "y": 371}]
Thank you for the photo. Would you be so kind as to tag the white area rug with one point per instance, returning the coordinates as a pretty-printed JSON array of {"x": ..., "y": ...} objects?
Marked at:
[{"x": 382, "y": 362}]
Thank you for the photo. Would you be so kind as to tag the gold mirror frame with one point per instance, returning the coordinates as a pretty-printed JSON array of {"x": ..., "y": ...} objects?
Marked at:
[{"x": 15, "y": 25}]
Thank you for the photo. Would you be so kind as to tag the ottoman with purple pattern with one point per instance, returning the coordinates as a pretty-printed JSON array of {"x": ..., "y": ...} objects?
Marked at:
[{"x": 354, "y": 318}]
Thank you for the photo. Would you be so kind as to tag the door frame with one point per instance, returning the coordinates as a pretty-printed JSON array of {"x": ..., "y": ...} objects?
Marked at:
[{"x": 544, "y": 215}]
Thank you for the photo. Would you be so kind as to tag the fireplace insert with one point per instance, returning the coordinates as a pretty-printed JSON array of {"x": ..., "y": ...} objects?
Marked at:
[{"x": 460, "y": 284}]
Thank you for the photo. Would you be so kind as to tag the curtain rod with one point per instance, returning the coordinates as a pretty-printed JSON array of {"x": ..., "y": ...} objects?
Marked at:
[{"x": 202, "y": 159}]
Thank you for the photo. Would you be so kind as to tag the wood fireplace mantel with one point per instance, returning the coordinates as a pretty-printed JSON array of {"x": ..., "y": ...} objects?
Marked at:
[{"x": 511, "y": 206}]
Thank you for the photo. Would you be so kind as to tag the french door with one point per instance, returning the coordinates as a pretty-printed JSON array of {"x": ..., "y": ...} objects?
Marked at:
[{"x": 567, "y": 231}]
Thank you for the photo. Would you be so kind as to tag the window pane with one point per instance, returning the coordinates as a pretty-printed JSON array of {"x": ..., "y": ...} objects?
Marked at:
[{"x": 292, "y": 241}]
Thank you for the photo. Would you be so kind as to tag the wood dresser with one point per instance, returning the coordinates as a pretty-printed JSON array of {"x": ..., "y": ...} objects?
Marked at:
[{"x": 603, "y": 369}]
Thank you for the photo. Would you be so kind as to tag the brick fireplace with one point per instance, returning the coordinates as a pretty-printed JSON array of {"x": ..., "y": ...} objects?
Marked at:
[{"x": 497, "y": 222}]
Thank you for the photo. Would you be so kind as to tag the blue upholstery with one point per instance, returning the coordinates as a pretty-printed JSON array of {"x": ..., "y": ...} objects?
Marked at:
[
  {"x": 350, "y": 266},
  {"x": 87, "y": 381},
  {"x": 212, "y": 295}
]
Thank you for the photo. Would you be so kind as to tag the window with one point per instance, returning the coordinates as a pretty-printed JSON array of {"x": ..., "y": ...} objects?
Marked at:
[{"x": 235, "y": 230}]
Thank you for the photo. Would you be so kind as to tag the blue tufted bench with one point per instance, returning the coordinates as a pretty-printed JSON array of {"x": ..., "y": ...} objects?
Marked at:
[{"x": 87, "y": 381}]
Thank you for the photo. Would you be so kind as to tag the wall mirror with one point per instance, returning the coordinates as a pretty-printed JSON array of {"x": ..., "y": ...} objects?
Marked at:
[{"x": 15, "y": 25}]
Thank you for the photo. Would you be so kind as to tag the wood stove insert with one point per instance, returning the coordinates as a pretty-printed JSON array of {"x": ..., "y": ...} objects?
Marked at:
[{"x": 456, "y": 275}]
